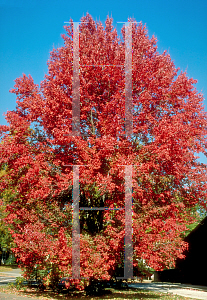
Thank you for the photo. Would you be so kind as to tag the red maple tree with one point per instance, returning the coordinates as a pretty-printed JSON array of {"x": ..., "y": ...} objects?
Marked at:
[{"x": 38, "y": 150}]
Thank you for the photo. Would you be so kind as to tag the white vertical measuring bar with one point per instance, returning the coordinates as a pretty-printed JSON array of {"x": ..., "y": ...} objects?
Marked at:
[
  {"x": 76, "y": 225},
  {"x": 76, "y": 83},
  {"x": 128, "y": 263},
  {"x": 128, "y": 242},
  {"x": 128, "y": 79}
]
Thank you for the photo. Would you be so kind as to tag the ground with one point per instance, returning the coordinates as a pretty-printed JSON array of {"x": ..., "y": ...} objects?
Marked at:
[
  {"x": 131, "y": 293},
  {"x": 145, "y": 291}
]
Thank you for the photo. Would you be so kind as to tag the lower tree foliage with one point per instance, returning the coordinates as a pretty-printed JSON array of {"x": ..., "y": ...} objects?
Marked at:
[
  {"x": 37, "y": 152},
  {"x": 6, "y": 241}
]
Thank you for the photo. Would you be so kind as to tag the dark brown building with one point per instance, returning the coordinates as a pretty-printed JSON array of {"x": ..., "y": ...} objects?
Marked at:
[{"x": 192, "y": 269}]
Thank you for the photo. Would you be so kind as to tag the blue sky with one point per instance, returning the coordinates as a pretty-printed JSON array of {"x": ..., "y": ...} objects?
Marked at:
[{"x": 30, "y": 29}]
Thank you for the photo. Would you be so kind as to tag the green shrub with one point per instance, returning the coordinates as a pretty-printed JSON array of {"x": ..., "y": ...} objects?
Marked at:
[
  {"x": 11, "y": 260},
  {"x": 19, "y": 282}
]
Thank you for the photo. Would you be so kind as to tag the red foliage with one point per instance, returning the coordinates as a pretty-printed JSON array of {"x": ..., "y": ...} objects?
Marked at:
[{"x": 169, "y": 125}]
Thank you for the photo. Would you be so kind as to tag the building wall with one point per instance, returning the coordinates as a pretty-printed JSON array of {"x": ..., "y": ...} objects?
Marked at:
[{"x": 192, "y": 269}]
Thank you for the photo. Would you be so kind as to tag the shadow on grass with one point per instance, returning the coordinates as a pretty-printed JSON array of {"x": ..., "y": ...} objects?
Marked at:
[
  {"x": 129, "y": 293},
  {"x": 13, "y": 266}
]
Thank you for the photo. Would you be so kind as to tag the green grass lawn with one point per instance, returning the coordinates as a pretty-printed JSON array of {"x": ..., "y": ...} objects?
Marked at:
[
  {"x": 7, "y": 268},
  {"x": 112, "y": 294}
]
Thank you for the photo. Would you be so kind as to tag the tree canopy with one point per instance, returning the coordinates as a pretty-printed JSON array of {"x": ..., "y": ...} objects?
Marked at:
[{"x": 38, "y": 152}]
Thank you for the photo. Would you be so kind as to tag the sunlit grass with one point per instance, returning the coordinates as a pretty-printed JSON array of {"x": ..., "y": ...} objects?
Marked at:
[{"x": 5, "y": 268}]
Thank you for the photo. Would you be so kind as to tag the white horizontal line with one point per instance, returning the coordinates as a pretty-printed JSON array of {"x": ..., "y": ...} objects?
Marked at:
[{"x": 101, "y": 208}]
